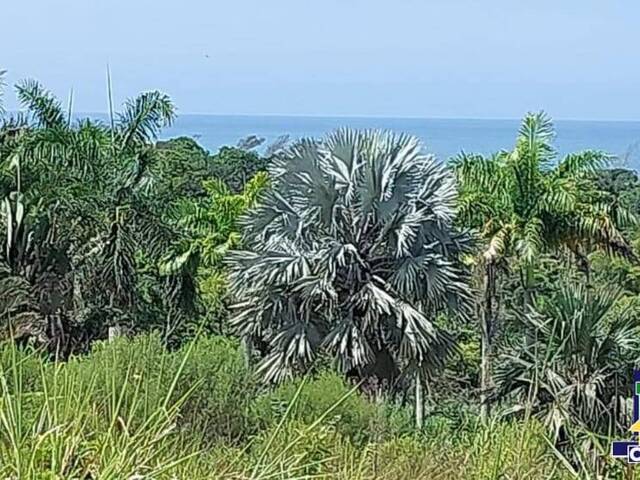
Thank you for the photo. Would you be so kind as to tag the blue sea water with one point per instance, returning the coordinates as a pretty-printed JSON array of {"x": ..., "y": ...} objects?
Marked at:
[{"x": 443, "y": 137}]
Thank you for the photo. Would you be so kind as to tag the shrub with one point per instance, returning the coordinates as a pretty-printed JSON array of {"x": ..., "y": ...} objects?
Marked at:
[
  {"x": 355, "y": 417},
  {"x": 213, "y": 375},
  {"x": 223, "y": 388},
  {"x": 132, "y": 409}
]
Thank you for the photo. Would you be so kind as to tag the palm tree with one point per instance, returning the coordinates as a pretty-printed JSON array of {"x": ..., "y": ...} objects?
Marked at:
[
  {"x": 578, "y": 368},
  {"x": 80, "y": 209},
  {"x": 524, "y": 203},
  {"x": 353, "y": 253}
]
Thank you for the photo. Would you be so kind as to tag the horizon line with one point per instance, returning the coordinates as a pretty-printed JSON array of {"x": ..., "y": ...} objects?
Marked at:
[{"x": 380, "y": 117}]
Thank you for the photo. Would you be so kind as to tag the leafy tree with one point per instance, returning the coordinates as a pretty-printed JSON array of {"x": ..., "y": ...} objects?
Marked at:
[
  {"x": 524, "y": 203},
  {"x": 207, "y": 230},
  {"x": 352, "y": 252},
  {"x": 236, "y": 166},
  {"x": 182, "y": 166}
]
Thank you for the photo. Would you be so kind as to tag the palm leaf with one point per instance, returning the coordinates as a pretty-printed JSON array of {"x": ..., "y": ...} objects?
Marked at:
[
  {"x": 143, "y": 118},
  {"x": 42, "y": 104}
]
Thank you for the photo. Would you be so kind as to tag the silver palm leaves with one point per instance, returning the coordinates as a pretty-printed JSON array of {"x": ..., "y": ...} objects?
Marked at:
[{"x": 351, "y": 252}]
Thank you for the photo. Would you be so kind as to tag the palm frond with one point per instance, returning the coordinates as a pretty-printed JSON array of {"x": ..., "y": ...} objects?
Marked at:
[
  {"x": 535, "y": 138},
  {"x": 574, "y": 363},
  {"x": 143, "y": 118},
  {"x": 45, "y": 108},
  {"x": 581, "y": 163}
]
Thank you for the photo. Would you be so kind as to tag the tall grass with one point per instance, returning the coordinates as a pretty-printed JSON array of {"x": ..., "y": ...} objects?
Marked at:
[
  {"x": 131, "y": 410},
  {"x": 86, "y": 423}
]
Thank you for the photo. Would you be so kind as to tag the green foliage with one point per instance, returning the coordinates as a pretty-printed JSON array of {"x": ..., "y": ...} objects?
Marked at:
[
  {"x": 523, "y": 203},
  {"x": 182, "y": 165},
  {"x": 623, "y": 186},
  {"x": 349, "y": 250},
  {"x": 500, "y": 450},
  {"x": 207, "y": 230},
  {"x": 526, "y": 205},
  {"x": 353, "y": 252},
  {"x": 73, "y": 426},
  {"x": 575, "y": 362},
  {"x": 607, "y": 270},
  {"x": 219, "y": 406},
  {"x": 132, "y": 409},
  {"x": 236, "y": 166},
  {"x": 356, "y": 418},
  {"x": 79, "y": 214},
  {"x": 214, "y": 375},
  {"x": 105, "y": 227},
  {"x": 110, "y": 402}
]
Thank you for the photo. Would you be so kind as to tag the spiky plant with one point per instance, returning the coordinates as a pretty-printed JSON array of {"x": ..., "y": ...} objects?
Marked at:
[
  {"x": 351, "y": 252},
  {"x": 576, "y": 370}
]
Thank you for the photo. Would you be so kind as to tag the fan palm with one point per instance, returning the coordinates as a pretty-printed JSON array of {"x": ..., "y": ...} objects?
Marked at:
[
  {"x": 578, "y": 365},
  {"x": 524, "y": 203},
  {"x": 352, "y": 252}
]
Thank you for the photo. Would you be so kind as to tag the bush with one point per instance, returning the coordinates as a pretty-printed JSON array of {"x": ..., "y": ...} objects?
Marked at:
[
  {"x": 355, "y": 417},
  {"x": 223, "y": 388},
  {"x": 210, "y": 372},
  {"x": 93, "y": 417},
  {"x": 235, "y": 166}
]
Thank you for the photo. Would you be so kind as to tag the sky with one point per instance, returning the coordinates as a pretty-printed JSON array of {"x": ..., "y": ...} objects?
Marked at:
[{"x": 577, "y": 59}]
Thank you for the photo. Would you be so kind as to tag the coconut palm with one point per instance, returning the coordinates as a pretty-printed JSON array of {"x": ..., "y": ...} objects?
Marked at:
[
  {"x": 578, "y": 366},
  {"x": 524, "y": 203},
  {"x": 352, "y": 252}
]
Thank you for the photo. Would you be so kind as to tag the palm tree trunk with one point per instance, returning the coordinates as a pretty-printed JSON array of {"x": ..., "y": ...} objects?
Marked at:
[
  {"x": 246, "y": 352},
  {"x": 527, "y": 302},
  {"x": 419, "y": 402},
  {"x": 487, "y": 325}
]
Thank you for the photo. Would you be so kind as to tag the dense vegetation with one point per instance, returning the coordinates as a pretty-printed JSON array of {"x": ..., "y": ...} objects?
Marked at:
[{"x": 346, "y": 307}]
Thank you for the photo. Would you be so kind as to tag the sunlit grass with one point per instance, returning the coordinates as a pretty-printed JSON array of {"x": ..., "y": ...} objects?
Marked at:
[{"x": 126, "y": 412}]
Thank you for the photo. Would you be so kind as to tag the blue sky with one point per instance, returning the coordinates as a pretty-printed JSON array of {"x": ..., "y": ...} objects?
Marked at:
[{"x": 428, "y": 58}]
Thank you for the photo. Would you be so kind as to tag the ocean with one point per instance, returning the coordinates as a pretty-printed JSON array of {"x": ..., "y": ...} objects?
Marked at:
[{"x": 443, "y": 137}]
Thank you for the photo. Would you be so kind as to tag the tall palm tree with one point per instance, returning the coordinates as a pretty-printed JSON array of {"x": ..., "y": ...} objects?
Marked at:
[
  {"x": 352, "y": 252},
  {"x": 525, "y": 202}
]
